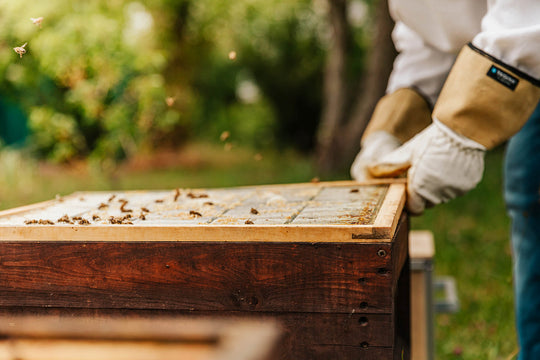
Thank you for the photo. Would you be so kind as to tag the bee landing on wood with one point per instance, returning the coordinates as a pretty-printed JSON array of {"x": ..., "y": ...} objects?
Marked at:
[{"x": 20, "y": 50}]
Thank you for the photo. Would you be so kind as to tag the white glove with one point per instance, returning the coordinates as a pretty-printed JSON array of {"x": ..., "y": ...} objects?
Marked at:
[
  {"x": 374, "y": 147},
  {"x": 443, "y": 165}
]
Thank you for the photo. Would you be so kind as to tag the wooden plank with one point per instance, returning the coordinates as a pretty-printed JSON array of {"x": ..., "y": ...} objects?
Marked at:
[
  {"x": 32, "y": 349},
  {"x": 422, "y": 251},
  {"x": 304, "y": 335},
  {"x": 224, "y": 233},
  {"x": 297, "y": 329},
  {"x": 385, "y": 224},
  {"x": 401, "y": 288},
  {"x": 57, "y": 350},
  {"x": 421, "y": 245},
  {"x": 53, "y": 337},
  {"x": 419, "y": 340},
  {"x": 319, "y": 277},
  {"x": 216, "y": 233}
]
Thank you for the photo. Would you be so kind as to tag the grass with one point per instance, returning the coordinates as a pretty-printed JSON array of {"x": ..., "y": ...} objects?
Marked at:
[
  {"x": 24, "y": 181},
  {"x": 471, "y": 233}
]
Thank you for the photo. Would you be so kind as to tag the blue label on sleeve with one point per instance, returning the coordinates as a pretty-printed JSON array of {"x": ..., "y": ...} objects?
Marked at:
[{"x": 503, "y": 77}]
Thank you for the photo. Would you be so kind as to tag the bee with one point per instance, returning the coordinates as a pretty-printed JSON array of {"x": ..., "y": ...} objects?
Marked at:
[
  {"x": 224, "y": 135},
  {"x": 176, "y": 194},
  {"x": 248, "y": 222},
  {"x": 45, "y": 222},
  {"x": 65, "y": 219},
  {"x": 196, "y": 196},
  {"x": 195, "y": 213},
  {"x": 122, "y": 207},
  {"x": 20, "y": 50},
  {"x": 254, "y": 211},
  {"x": 37, "y": 21}
]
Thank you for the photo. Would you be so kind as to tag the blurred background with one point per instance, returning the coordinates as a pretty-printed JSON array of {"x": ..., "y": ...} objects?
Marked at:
[{"x": 163, "y": 94}]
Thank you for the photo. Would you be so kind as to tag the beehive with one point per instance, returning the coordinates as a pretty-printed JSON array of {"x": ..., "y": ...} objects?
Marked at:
[{"x": 328, "y": 260}]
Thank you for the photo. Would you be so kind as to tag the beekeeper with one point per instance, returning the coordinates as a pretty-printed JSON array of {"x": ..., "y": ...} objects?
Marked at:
[{"x": 467, "y": 78}]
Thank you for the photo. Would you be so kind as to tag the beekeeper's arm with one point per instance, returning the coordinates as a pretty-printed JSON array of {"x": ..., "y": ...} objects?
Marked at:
[
  {"x": 490, "y": 93},
  {"x": 417, "y": 76}
]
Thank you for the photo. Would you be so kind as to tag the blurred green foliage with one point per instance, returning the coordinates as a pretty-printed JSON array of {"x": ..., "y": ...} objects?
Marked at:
[
  {"x": 276, "y": 74},
  {"x": 97, "y": 74},
  {"x": 276, "y": 77},
  {"x": 91, "y": 81}
]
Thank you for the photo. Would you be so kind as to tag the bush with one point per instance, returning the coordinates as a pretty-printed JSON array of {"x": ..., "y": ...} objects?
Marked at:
[
  {"x": 275, "y": 76},
  {"x": 91, "y": 80}
]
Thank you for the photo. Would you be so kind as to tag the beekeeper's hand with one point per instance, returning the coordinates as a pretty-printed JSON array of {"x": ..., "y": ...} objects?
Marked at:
[
  {"x": 397, "y": 118},
  {"x": 374, "y": 147},
  {"x": 482, "y": 104},
  {"x": 441, "y": 165}
]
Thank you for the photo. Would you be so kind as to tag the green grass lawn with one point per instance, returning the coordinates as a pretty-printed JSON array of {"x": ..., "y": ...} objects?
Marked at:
[{"x": 471, "y": 233}]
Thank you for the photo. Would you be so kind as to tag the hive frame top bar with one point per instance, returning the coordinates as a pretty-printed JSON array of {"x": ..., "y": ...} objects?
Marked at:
[{"x": 381, "y": 227}]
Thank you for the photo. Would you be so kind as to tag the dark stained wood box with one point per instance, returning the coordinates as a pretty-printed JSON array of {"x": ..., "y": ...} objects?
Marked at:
[{"x": 327, "y": 260}]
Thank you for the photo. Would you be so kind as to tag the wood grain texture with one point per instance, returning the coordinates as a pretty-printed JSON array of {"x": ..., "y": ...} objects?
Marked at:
[
  {"x": 322, "y": 277},
  {"x": 303, "y": 335}
]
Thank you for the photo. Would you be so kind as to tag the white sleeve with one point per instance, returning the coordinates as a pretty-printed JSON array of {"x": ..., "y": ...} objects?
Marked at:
[
  {"x": 418, "y": 64},
  {"x": 511, "y": 33}
]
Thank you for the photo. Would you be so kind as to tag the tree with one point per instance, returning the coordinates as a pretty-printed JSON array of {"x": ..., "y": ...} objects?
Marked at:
[{"x": 347, "y": 109}]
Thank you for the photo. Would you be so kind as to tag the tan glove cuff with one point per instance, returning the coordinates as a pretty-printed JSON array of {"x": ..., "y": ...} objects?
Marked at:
[
  {"x": 484, "y": 99},
  {"x": 403, "y": 113}
]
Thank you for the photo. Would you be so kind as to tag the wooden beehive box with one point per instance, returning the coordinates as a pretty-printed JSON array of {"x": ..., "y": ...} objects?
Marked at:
[{"x": 328, "y": 260}]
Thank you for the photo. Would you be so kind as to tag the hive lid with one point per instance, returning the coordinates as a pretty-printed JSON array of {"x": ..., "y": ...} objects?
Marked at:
[{"x": 342, "y": 211}]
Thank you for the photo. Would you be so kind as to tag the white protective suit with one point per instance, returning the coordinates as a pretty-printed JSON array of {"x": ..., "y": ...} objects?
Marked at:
[
  {"x": 430, "y": 33},
  {"x": 478, "y": 63}
]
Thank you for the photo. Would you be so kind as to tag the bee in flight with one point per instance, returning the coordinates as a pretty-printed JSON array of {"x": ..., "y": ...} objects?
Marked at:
[{"x": 20, "y": 50}]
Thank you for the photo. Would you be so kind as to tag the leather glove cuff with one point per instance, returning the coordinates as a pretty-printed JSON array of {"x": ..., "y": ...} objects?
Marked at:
[
  {"x": 403, "y": 113},
  {"x": 484, "y": 99}
]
